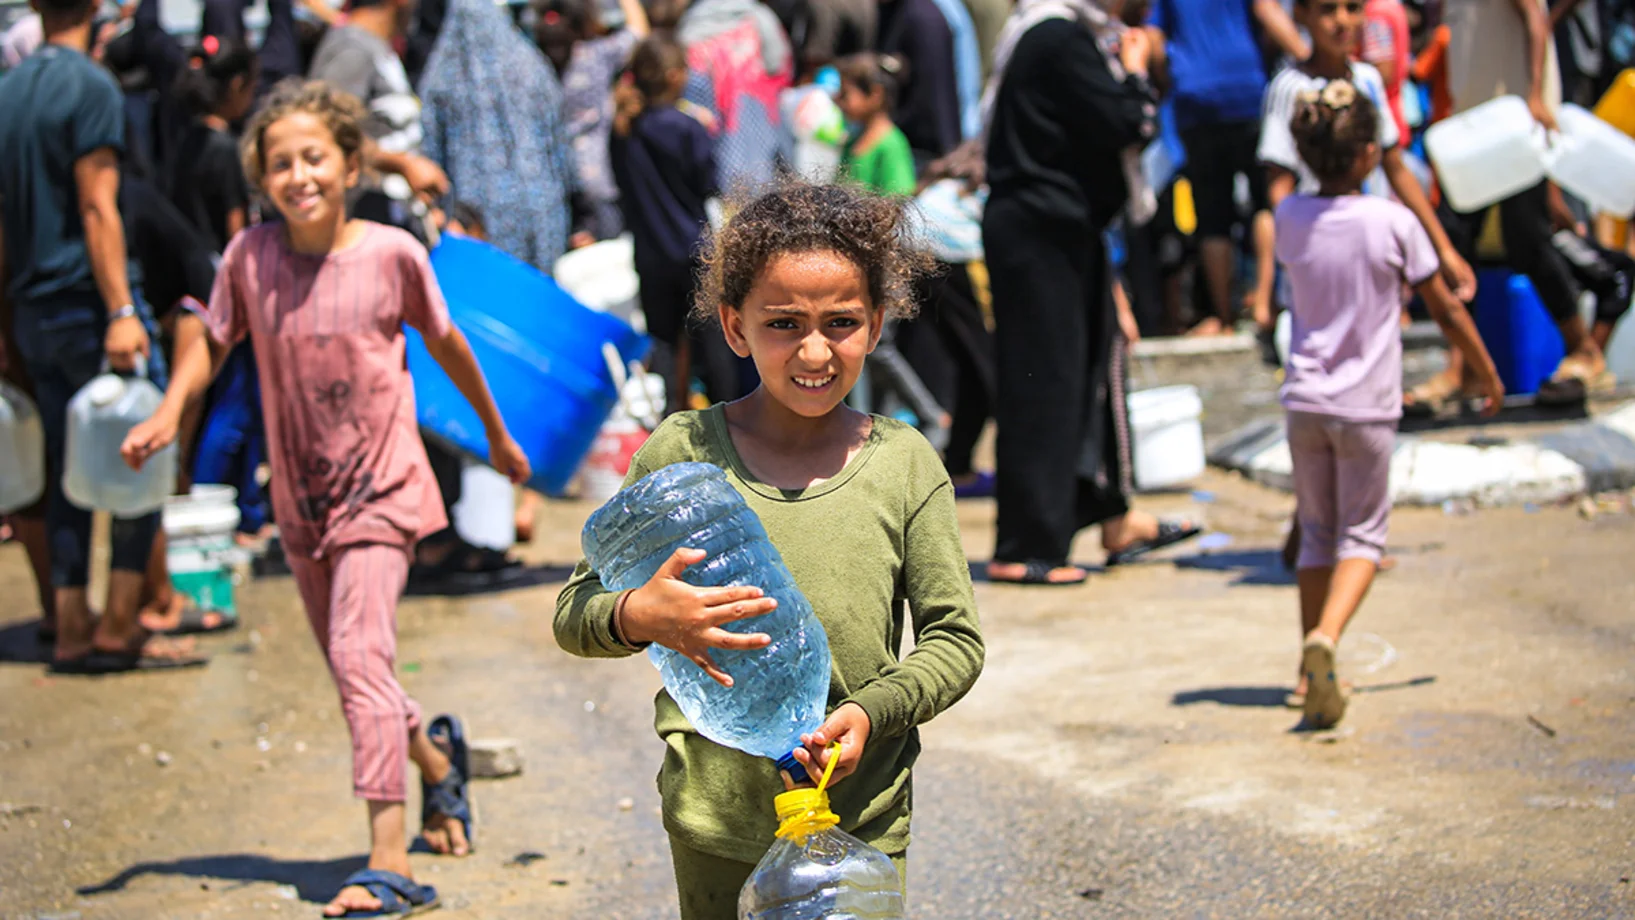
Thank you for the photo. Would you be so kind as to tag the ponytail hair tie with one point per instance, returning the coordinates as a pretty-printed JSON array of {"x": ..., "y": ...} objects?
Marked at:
[
  {"x": 211, "y": 45},
  {"x": 195, "y": 62}
]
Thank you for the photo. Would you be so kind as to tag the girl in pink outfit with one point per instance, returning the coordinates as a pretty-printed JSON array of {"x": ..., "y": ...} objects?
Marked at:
[
  {"x": 323, "y": 300},
  {"x": 1347, "y": 256}
]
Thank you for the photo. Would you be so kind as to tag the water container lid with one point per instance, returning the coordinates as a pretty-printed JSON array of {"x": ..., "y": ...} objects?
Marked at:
[
  {"x": 803, "y": 812},
  {"x": 105, "y": 390}
]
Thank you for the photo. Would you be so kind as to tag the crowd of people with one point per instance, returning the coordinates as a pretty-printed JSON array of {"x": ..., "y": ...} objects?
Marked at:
[{"x": 245, "y": 220}]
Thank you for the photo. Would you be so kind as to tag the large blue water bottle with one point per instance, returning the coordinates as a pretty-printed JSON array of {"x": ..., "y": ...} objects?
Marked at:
[{"x": 778, "y": 692}]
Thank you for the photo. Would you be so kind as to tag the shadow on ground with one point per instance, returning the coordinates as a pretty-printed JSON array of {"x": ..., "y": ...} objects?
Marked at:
[
  {"x": 20, "y": 643},
  {"x": 1265, "y": 697},
  {"x": 1252, "y": 566},
  {"x": 314, "y": 881}
]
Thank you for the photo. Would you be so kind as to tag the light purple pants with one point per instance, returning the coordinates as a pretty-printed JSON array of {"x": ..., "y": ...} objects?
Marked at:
[{"x": 1342, "y": 484}]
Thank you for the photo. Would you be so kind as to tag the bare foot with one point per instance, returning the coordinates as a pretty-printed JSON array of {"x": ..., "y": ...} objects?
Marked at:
[
  {"x": 163, "y": 620},
  {"x": 357, "y": 897},
  {"x": 139, "y": 640},
  {"x": 1015, "y": 572},
  {"x": 445, "y": 835},
  {"x": 1209, "y": 325}
]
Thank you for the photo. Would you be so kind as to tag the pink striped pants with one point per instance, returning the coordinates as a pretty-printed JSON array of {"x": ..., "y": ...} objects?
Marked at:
[{"x": 351, "y": 601}]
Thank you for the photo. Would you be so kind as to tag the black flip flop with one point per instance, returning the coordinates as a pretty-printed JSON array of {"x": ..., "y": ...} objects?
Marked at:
[
  {"x": 192, "y": 622},
  {"x": 96, "y": 664},
  {"x": 1169, "y": 534},
  {"x": 1038, "y": 573}
]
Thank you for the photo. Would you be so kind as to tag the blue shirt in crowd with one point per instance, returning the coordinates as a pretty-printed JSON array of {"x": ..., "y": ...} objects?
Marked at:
[
  {"x": 967, "y": 66},
  {"x": 1214, "y": 60},
  {"x": 55, "y": 107}
]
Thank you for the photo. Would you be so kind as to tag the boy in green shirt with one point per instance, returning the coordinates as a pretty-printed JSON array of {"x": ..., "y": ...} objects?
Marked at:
[
  {"x": 859, "y": 507},
  {"x": 877, "y": 155}
]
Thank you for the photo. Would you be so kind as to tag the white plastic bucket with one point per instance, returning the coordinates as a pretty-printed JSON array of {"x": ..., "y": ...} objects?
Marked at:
[
  {"x": 1169, "y": 438},
  {"x": 208, "y": 515},
  {"x": 602, "y": 276},
  {"x": 486, "y": 514}
]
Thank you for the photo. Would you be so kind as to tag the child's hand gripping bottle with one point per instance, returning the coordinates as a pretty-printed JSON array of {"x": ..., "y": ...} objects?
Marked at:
[
  {"x": 779, "y": 692},
  {"x": 816, "y": 870}
]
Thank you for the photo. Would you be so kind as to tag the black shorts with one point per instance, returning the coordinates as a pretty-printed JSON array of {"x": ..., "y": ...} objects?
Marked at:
[{"x": 1216, "y": 155}]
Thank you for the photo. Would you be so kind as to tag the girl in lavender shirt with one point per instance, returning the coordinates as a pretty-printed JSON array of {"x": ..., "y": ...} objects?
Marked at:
[{"x": 1347, "y": 256}]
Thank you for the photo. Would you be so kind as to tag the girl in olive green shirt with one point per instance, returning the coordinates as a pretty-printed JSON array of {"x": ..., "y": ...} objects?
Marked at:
[
  {"x": 859, "y": 507},
  {"x": 877, "y": 155}
]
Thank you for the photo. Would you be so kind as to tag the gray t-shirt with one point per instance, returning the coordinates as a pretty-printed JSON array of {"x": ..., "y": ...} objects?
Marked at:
[{"x": 364, "y": 65}]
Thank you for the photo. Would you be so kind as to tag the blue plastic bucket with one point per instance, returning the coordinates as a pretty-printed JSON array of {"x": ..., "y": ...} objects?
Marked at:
[
  {"x": 1516, "y": 328},
  {"x": 541, "y": 351}
]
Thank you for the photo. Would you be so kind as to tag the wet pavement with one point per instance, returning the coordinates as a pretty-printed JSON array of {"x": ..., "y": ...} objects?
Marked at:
[{"x": 1125, "y": 754}]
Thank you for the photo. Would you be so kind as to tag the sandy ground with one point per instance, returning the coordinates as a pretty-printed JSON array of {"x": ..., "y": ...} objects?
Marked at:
[{"x": 1124, "y": 755}]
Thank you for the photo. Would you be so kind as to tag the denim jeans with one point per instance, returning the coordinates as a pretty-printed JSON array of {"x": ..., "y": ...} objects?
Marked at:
[
  {"x": 61, "y": 341},
  {"x": 233, "y": 444}
]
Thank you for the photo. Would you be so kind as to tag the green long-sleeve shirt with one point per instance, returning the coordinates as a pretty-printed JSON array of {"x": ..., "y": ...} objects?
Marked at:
[{"x": 879, "y": 536}]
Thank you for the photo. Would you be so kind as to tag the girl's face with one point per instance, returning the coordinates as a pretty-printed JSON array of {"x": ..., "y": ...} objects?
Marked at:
[
  {"x": 857, "y": 105},
  {"x": 305, "y": 173},
  {"x": 1335, "y": 25},
  {"x": 808, "y": 324}
]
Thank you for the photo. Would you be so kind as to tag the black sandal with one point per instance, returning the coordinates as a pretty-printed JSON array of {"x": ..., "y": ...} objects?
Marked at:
[
  {"x": 1169, "y": 534},
  {"x": 1038, "y": 573}
]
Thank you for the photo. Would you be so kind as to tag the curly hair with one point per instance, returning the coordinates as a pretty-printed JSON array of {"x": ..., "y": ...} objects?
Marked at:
[
  {"x": 341, "y": 112},
  {"x": 1332, "y": 128},
  {"x": 870, "y": 231}
]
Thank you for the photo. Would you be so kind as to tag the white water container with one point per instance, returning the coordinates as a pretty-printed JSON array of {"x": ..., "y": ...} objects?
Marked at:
[
  {"x": 95, "y": 476},
  {"x": 1486, "y": 154},
  {"x": 1593, "y": 161},
  {"x": 1169, "y": 436},
  {"x": 22, "y": 450},
  {"x": 602, "y": 276},
  {"x": 486, "y": 514}
]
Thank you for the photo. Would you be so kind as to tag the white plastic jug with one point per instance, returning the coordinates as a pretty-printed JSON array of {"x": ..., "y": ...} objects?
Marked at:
[
  {"x": 1486, "y": 154},
  {"x": 22, "y": 450},
  {"x": 100, "y": 415},
  {"x": 1594, "y": 161},
  {"x": 486, "y": 513}
]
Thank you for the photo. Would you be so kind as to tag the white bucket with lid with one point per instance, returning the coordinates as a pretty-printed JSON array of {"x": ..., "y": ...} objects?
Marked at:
[
  {"x": 208, "y": 514},
  {"x": 1169, "y": 436}
]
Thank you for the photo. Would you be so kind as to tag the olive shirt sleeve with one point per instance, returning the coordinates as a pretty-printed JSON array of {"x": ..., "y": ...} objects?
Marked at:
[{"x": 948, "y": 649}]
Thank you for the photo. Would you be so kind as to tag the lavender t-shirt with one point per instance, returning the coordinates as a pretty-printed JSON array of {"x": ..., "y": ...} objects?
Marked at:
[{"x": 1346, "y": 259}]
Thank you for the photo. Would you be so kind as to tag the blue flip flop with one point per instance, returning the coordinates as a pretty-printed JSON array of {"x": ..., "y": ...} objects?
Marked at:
[
  {"x": 451, "y": 797},
  {"x": 399, "y": 897}
]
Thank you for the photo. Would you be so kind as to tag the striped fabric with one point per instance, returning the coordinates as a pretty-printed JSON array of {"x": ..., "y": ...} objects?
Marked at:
[
  {"x": 351, "y": 601},
  {"x": 348, "y": 465}
]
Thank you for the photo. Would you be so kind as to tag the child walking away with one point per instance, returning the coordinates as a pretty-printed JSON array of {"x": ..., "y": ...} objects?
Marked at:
[
  {"x": 205, "y": 175},
  {"x": 861, "y": 510},
  {"x": 877, "y": 155},
  {"x": 1347, "y": 255},
  {"x": 323, "y": 299},
  {"x": 664, "y": 164}
]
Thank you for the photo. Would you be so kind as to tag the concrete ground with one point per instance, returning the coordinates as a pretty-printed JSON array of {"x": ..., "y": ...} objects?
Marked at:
[{"x": 1124, "y": 755}]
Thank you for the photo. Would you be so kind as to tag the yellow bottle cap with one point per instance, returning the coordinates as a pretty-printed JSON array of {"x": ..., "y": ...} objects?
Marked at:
[{"x": 803, "y": 812}]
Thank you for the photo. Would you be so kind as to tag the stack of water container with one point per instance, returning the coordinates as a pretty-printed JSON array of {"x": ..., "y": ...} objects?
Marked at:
[
  {"x": 1495, "y": 150},
  {"x": 541, "y": 351}
]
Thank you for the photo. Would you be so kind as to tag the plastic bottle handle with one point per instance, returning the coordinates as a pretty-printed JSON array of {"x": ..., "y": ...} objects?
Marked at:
[
  {"x": 139, "y": 369},
  {"x": 829, "y": 771}
]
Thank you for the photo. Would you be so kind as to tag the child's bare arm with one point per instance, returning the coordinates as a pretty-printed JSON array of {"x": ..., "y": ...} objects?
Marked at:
[
  {"x": 1456, "y": 324},
  {"x": 1456, "y": 271},
  {"x": 198, "y": 359},
  {"x": 453, "y": 354}
]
